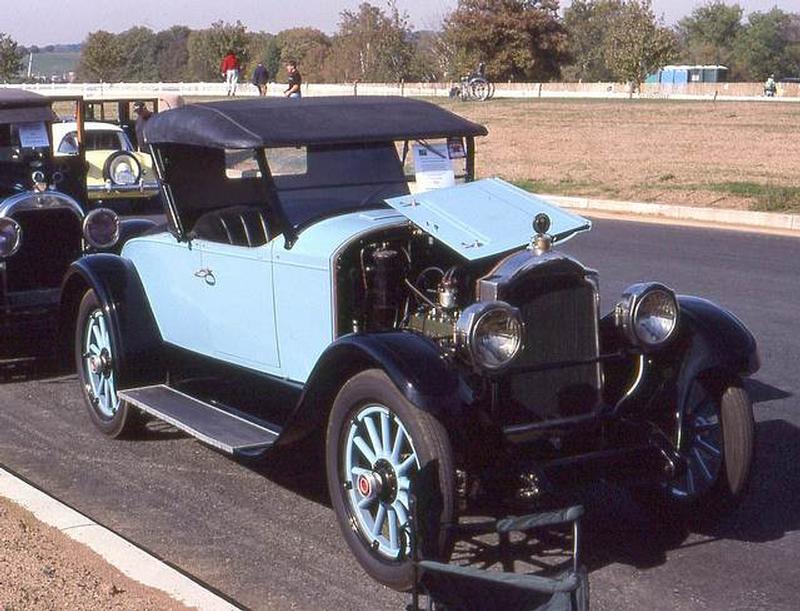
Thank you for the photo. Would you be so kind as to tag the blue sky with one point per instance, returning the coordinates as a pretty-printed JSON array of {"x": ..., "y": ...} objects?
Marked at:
[{"x": 66, "y": 21}]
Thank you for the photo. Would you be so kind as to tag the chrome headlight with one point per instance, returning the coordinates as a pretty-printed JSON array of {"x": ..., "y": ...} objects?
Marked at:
[
  {"x": 10, "y": 237},
  {"x": 101, "y": 228},
  {"x": 648, "y": 315},
  {"x": 123, "y": 169},
  {"x": 489, "y": 333}
]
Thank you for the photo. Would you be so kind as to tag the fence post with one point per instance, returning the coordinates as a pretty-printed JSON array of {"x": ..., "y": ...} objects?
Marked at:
[{"x": 355, "y": 87}]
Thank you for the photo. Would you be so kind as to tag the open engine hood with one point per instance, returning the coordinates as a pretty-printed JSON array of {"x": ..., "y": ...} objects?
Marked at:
[{"x": 484, "y": 218}]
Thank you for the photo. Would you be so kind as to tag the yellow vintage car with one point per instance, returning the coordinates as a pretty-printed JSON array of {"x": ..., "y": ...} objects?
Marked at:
[{"x": 118, "y": 176}]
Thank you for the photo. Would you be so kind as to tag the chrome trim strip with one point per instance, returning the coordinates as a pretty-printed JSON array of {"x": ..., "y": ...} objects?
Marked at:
[
  {"x": 40, "y": 201},
  {"x": 137, "y": 188}
]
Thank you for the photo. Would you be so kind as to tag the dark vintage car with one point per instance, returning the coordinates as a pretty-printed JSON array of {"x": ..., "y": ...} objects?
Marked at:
[
  {"x": 308, "y": 283},
  {"x": 43, "y": 222}
]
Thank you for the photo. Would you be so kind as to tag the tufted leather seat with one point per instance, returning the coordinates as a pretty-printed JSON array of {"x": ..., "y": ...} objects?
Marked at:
[{"x": 236, "y": 225}]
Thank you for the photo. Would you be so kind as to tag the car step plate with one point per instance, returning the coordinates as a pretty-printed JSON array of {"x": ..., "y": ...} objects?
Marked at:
[{"x": 210, "y": 424}]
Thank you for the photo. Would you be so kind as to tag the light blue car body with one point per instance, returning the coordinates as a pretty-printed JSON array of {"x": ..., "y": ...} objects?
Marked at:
[{"x": 271, "y": 309}]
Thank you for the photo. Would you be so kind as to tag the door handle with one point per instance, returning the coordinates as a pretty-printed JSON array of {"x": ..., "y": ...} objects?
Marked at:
[{"x": 207, "y": 275}]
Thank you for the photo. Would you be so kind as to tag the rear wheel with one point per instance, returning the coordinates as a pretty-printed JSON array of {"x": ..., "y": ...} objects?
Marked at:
[
  {"x": 95, "y": 359},
  {"x": 376, "y": 441}
]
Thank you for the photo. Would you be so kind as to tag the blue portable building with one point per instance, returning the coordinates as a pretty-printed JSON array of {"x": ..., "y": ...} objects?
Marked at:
[{"x": 684, "y": 74}]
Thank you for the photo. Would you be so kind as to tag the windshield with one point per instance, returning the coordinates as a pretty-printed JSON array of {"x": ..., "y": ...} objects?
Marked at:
[{"x": 317, "y": 182}]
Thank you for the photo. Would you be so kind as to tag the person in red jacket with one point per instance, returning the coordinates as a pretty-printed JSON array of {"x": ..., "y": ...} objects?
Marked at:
[{"x": 230, "y": 71}]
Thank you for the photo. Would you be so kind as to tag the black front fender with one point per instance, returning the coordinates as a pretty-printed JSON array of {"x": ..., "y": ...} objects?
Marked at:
[
  {"x": 414, "y": 364},
  {"x": 133, "y": 328},
  {"x": 717, "y": 340}
]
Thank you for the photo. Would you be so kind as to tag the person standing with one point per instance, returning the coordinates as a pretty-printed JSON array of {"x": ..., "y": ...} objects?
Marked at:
[
  {"x": 294, "y": 81},
  {"x": 230, "y": 71},
  {"x": 142, "y": 115},
  {"x": 260, "y": 78}
]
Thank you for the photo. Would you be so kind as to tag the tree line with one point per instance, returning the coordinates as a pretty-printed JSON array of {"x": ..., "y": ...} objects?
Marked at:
[{"x": 517, "y": 40}]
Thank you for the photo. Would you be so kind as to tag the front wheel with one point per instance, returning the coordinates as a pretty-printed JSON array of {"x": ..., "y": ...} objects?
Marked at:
[
  {"x": 717, "y": 446},
  {"x": 96, "y": 362},
  {"x": 376, "y": 441}
]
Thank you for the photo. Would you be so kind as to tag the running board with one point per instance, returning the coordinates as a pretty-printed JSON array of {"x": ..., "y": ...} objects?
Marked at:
[{"x": 208, "y": 423}]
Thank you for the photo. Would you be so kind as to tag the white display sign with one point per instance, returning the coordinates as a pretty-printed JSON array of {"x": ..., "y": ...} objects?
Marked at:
[
  {"x": 33, "y": 135},
  {"x": 433, "y": 167}
]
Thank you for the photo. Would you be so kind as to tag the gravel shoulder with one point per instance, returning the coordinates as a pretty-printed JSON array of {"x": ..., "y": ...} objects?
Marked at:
[{"x": 41, "y": 568}]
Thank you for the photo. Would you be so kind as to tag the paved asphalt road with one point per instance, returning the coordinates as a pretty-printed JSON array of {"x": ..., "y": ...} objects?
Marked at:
[{"x": 265, "y": 535}]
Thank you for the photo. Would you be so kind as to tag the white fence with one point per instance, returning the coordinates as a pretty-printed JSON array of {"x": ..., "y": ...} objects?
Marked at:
[{"x": 695, "y": 91}]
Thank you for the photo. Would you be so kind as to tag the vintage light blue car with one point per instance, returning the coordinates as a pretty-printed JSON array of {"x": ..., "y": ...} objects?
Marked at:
[{"x": 332, "y": 266}]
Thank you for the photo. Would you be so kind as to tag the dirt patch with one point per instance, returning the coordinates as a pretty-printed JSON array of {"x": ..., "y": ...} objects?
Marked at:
[
  {"x": 41, "y": 568},
  {"x": 725, "y": 154}
]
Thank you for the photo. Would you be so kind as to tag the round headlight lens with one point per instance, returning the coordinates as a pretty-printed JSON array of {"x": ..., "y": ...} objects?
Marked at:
[
  {"x": 10, "y": 237},
  {"x": 656, "y": 317},
  {"x": 101, "y": 228},
  {"x": 491, "y": 333},
  {"x": 647, "y": 314},
  {"x": 124, "y": 170}
]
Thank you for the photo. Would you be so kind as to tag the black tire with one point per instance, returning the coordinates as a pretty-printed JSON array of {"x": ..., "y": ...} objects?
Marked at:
[
  {"x": 734, "y": 410},
  {"x": 372, "y": 389},
  {"x": 125, "y": 419}
]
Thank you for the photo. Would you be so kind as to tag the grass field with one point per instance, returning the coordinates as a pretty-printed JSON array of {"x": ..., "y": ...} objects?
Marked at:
[
  {"x": 728, "y": 154},
  {"x": 54, "y": 63}
]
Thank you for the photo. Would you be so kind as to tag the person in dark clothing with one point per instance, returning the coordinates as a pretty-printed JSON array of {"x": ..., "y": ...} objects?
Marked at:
[
  {"x": 294, "y": 81},
  {"x": 142, "y": 115},
  {"x": 260, "y": 78}
]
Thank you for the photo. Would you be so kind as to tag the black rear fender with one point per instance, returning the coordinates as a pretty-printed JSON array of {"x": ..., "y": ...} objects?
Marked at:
[{"x": 140, "y": 357}]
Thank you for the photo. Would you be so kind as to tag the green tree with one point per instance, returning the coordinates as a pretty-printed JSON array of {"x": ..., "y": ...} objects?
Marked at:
[
  {"x": 371, "y": 45},
  {"x": 769, "y": 44},
  {"x": 587, "y": 23},
  {"x": 637, "y": 44},
  {"x": 207, "y": 48},
  {"x": 709, "y": 34},
  {"x": 10, "y": 61},
  {"x": 308, "y": 47},
  {"x": 264, "y": 47},
  {"x": 101, "y": 58},
  {"x": 138, "y": 49},
  {"x": 517, "y": 39},
  {"x": 432, "y": 58},
  {"x": 172, "y": 54}
]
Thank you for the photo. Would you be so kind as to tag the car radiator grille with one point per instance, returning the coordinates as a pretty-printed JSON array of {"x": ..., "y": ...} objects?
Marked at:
[
  {"x": 51, "y": 240},
  {"x": 562, "y": 374}
]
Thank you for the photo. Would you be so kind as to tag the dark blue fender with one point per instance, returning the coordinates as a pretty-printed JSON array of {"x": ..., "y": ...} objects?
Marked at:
[
  {"x": 131, "y": 228},
  {"x": 140, "y": 355},
  {"x": 414, "y": 363},
  {"x": 716, "y": 342}
]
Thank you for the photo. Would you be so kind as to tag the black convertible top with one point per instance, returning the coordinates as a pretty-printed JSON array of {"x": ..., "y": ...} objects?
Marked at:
[
  {"x": 269, "y": 122},
  {"x": 20, "y": 106}
]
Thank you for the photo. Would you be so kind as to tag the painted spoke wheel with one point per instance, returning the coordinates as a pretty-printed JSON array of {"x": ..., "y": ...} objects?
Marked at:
[
  {"x": 379, "y": 459},
  {"x": 376, "y": 442},
  {"x": 716, "y": 444},
  {"x": 701, "y": 446},
  {"x": 98, "y": 365},
  {"x": 96, "y": 361}
]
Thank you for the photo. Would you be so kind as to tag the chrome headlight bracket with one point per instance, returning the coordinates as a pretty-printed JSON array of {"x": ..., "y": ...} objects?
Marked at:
[
  {"x": 647, "y": 315},
  {"x": 489, "y": 334}
]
